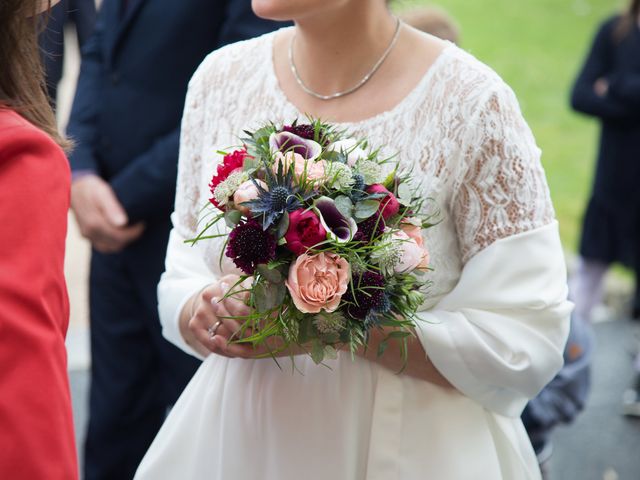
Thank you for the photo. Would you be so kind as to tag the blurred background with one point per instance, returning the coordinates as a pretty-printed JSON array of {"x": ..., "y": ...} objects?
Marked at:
[{"x": 537, "y": 46}]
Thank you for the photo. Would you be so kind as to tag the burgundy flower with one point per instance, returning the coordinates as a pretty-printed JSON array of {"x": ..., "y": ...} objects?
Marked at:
[
  {"x": 389, "y": 205},
  {"x": 366, "y": 292},
  {"x": 305, "y": 230},
  {"x": 370, "y": 229},
  {"x": 249, "y": 245},
  {"x": 305, "y": 131},
  {"x": 231, "y": 162}
]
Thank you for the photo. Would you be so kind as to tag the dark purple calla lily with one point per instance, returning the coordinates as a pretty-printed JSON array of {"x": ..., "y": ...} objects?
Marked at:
[
  {"x": 290, "y": 142},
  {"x": 339, "y": 228}
]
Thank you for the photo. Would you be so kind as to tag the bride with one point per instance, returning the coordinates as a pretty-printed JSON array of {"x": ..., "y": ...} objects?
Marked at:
[{"x": 495, "y": 320}]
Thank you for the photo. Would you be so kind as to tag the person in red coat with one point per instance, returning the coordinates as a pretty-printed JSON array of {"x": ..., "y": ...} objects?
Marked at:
[{"x": 36, "y": 426}]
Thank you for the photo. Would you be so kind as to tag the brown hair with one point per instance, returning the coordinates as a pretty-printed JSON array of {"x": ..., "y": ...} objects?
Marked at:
[
  {"x": 22, "y": 84},
  {"x": 627, "y": 21},
  {"x": 434, "y": 21}
]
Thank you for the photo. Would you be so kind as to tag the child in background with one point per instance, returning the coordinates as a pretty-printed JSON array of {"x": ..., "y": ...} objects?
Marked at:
[{"x": 434, "y": 21}]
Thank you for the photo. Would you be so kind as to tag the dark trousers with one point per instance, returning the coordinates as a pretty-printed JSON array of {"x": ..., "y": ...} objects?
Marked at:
[{"x": 136, "y": 374}]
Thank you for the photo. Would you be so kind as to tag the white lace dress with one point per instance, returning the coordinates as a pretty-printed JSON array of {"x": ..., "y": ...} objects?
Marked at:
[{"x": 496, "y": 317}]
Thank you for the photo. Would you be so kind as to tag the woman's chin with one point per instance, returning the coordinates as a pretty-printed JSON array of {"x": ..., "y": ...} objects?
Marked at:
[{"x": 287, "y": 10}]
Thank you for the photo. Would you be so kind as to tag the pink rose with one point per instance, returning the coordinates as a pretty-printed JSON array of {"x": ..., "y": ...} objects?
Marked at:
[
  {"x": 389, "y": 205},
  {"x": 317, "y": 282},
  {"x": 412, "y": 256},
  {"x": 305, "y": 230},
  {"x": 415, "y": 232},
  {"x": 311, "y": 170},
  {"x": 246, "y": 192}
]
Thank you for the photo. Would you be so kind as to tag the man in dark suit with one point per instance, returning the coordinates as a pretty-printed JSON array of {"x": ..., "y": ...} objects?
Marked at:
[
  {"x": 82, "y": 13},
  {"x": 125, "y": 120}
]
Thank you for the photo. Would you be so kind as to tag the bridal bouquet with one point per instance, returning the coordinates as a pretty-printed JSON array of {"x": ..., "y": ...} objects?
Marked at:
[{"x": 329, "y": 243}]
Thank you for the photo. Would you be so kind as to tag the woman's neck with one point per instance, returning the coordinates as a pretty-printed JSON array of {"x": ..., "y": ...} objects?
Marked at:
[{"x": 334, "y": 52}]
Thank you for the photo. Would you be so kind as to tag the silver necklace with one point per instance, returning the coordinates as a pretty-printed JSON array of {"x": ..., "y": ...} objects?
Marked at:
[{"x": 364, "y": 79}]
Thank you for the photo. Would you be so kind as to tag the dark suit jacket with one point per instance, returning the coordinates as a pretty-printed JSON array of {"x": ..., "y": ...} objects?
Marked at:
[
  {"x": 130, "y": 96},
  {"x": 82, "y": 13}
]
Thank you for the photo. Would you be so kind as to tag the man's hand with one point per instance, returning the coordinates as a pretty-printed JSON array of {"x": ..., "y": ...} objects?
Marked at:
[
  {"x": 100, "y": 216},
  {"x": 601, "y": 87}
]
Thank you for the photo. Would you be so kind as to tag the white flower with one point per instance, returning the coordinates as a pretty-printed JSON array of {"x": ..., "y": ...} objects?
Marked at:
[
  {"x": 371, "y": 171},
  {"x": 349, "y": 147},
  {"x": 228, "y": 187},
  {"x": 339, "y": 176},
  {"x": 386, "y": 255},
  {"x": 328, "y": 323}
]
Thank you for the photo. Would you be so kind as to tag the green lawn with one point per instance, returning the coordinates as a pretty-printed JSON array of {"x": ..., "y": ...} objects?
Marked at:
[{"x": 537, "y": 46}]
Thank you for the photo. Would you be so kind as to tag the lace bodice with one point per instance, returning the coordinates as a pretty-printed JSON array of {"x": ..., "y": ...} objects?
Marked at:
[{"x": 460, "y": 132}]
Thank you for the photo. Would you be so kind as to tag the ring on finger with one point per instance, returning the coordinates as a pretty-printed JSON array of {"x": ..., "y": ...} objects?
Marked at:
[{"x": 213, "y": 329}]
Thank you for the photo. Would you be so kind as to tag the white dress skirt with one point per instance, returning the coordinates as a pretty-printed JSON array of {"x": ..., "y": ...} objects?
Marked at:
[{"x": 494, "y": 323}]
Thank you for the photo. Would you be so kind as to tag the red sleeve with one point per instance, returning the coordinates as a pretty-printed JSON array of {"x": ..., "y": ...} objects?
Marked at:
[{"x": 36, "y": 427}]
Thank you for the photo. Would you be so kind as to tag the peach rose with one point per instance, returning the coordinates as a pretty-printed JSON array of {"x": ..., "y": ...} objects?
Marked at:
[
  {"x": 314, "y": 171},
  {"x": 247, "y": 191},
  {"x": 415, "y": 232},
  {"x": 317, "y": 282},
  {"x": 412, "y": 255}
]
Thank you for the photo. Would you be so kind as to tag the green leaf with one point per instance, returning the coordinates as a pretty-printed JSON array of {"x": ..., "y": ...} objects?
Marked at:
[
  {"x": 399, "y": 334},
  {"x": 344, "y": 205},
  {"x": 250, "y": 164},
  {"x": 270, "y": 274},
  {"x": 365, "y": 209},
  {"x": 330, "y": 352},
  {"x": 382, "y": 346},
  {"x": 306, "y": 331},
  {"x": 283, "y": 225},
  {"x": 388, "y": 182},
  {"x": 404, "y": 192},
  {"x": 263, "y": 134},
  {"x": 261, "y": 298},
  {"x": 280, "y": 293},
  {"x": 333, "y": 156},
  {"x": 317, "y": 352},
  {"x": 232, "y": 218}
]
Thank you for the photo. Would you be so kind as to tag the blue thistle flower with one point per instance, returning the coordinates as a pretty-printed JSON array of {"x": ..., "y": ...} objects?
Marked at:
[
  {"x": 357, "y": 190},
  {"x": 282, "y": 196}
]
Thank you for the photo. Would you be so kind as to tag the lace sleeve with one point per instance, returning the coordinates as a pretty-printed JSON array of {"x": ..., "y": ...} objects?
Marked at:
[
  {"x": 502, "y": 190},
  {"x": 188, "y": 188}
]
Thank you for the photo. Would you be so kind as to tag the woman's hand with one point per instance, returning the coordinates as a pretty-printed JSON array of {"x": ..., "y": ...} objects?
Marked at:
[
  {"x": 208, "y": 326},
  {"x": 418, "y": 364}
]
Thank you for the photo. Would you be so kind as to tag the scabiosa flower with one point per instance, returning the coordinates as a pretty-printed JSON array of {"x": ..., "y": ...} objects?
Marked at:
[
  {"x": 231, "y": 162},
  {"x": 228, "y": 187},
  {"x": 249, "y": 245},
  {"x": 340, "y": 176},
  {"x": 365, "y": 293},
  {"x": 370, "y": 229},
  {"x": 371, "y": 172},
  {"x": 306, "y": 131},
  {"x": 329, "y": 322}
]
